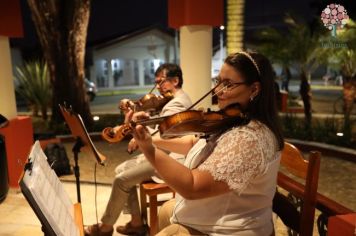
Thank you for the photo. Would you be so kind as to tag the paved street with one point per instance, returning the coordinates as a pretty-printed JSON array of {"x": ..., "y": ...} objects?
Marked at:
[{"x": 323, "y": 98}]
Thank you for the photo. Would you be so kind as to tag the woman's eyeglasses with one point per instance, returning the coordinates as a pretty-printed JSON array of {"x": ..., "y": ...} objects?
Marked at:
[{"x": 227, "y": 84}]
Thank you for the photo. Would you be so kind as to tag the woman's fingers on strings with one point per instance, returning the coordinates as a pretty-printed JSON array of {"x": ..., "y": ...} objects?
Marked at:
[{"x": 141, "y": 132}]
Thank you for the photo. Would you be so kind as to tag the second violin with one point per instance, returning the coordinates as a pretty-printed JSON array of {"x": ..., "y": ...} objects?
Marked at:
[{"x": 150, "y": 103}]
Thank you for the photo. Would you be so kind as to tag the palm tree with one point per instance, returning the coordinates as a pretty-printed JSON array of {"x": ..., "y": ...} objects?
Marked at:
[
  {"x": 235, "y": 25},
  {"x": 341, "y": 56},
  {"x": 297, "y": 46},
  {"x": 34, "y": 86}
]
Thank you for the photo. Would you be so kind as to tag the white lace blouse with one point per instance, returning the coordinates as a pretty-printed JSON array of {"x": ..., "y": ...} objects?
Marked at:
[{"x": 247, "y": 159}]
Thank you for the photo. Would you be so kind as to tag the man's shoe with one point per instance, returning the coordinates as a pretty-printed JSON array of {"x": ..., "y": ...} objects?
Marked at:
[
  {"x": 94, "y": 230},
  {"x": 128, "y": 229}
]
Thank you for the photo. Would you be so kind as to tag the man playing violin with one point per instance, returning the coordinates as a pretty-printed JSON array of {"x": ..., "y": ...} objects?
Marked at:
[
  {"x": 228, "y": 180},
  {"x": 168, "y": 79}
]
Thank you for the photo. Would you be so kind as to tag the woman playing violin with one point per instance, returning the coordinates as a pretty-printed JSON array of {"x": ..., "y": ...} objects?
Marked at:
[
  {"x": 168, "y": 78},
  {"x": 228, "y": 180}
]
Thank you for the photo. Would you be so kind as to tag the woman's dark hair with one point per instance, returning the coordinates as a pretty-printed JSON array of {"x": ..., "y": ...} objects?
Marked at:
[
  {"x": 263, "y": 107},
  {"x": 172, "y": 70}
]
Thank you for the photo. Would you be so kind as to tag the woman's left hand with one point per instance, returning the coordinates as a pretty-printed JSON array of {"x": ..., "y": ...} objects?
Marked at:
[{"x": 132, "y": 146}]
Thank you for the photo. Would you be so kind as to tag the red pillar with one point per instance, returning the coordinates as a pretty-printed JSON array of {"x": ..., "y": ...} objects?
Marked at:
[
  {"x": 10, "y": 18},
  {"x": 195, "y": 12},
  {"x": 18, "y": 136}
]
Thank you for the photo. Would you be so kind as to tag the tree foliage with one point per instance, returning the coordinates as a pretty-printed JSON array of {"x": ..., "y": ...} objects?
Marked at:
[
  {"x": 297, "y": 46},
  {"x": 340, "y": 54}
]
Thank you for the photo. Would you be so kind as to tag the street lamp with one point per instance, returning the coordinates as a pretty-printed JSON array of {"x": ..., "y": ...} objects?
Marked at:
[{"x": 222, "y": 43}]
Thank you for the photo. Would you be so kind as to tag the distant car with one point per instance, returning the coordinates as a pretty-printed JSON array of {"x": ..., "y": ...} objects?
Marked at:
[{"x": 91, "y": 89}]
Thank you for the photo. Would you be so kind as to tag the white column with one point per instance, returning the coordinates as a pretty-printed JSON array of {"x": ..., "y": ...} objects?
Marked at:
[
  {"x": 222, "y": 54},
  {"x": 7, "y": 90},
  {"x": 141, "y": 75},
  {"x": 195, "y": 61},
  {"x": 176, "y": 40},
  {"x": 110, "y": 74},
  {"x": 93, "y": 74}
]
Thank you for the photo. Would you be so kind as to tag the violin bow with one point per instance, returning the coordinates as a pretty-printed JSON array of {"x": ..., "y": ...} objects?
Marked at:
[
  {"x": 189, "y": 108},
  {"x": 204, "y": 97},
  {"x": 154, "y": 86}
]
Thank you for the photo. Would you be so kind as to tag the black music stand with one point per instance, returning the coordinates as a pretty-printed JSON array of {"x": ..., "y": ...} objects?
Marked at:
[{"x": 82, "y": 140}]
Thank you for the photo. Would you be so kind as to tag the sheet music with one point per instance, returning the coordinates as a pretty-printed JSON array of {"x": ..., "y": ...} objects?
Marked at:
[{"x": 49, "y": 194}]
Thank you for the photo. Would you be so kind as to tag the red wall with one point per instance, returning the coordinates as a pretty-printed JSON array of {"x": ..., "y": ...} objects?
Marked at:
[
  {"x": 10, "y": 18},
  {"x": 195, "y": 12},
  {"x": 18, "y": 142}
]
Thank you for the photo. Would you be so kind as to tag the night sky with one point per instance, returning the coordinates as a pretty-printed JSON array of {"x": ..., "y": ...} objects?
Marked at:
[
  {"x": 108, "y": 19},
  {"x": 113, "y": 18}
]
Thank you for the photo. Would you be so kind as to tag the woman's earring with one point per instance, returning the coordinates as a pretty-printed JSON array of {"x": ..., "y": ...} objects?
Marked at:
[{"x": 251, "y": 99}]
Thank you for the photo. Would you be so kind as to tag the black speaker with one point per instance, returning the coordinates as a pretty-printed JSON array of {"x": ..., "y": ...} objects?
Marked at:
[
  {"x": 4, "y": 178},
  {"x": 3, "y": 121}
]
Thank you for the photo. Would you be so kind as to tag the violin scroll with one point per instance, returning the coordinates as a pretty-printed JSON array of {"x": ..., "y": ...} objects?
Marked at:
[{"x": 116, "y": 134}]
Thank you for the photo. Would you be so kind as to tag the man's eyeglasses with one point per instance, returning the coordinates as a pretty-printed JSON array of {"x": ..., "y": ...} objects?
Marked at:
[
  {"x": 227, "y": 84},
  {"x": 161, "y": 80}
]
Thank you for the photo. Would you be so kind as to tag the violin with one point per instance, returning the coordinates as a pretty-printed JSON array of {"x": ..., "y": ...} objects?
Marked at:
[
  {"x": 150, "y": 103},
  {"x": 183, "y": 123}
]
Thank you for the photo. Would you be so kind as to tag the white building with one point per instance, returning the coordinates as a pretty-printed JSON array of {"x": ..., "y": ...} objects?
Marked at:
[{"x": 131, "y": 60}]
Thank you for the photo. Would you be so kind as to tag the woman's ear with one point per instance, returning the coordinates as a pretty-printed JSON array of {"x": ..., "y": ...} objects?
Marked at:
[{"x": 256, "y": 89}]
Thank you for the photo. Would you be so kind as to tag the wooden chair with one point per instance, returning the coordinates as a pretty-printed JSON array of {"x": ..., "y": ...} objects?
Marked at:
[
  {"x": 294, "y": 163},
  {"x": 152, "y": 190}
]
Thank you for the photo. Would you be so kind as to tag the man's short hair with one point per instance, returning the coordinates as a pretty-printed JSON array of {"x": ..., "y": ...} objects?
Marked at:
[{"x": 172, "y": 70}]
